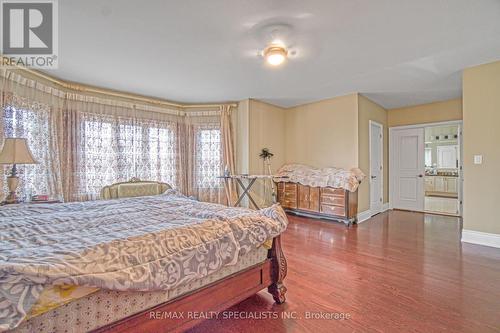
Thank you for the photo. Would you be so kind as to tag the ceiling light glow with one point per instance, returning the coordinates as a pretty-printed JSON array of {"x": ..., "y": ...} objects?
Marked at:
[{"x": 275, "y": 55}]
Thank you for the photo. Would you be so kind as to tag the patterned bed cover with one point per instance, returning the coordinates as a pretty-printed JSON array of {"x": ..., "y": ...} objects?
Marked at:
[
  {"x": 103, "y": 307},
  {"x": 133, "y": 244}
]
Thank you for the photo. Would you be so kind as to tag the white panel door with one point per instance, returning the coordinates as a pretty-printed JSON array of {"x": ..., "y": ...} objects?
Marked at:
[
  {"x": 376, "y": 151},
  {"x": 409, "y": 169}
]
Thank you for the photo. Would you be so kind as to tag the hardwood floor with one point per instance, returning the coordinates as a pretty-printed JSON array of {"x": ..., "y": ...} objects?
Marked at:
[{"x": 397, "y": 272}]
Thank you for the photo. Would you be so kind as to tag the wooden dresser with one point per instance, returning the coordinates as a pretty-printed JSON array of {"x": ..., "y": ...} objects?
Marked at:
[{"x": 324, "y": 202}]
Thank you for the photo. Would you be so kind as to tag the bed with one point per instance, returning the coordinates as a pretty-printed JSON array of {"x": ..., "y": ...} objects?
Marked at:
[{"x": 133, "y": 264}]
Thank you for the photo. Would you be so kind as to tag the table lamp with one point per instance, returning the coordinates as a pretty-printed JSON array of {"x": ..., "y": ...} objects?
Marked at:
[{"x": 15, "y": 151}]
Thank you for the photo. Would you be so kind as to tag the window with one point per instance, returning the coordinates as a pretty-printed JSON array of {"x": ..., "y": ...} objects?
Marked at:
[
  {"x": 208, "y": 157},
  {"x": 130, "y": 150},
  {"x": 32, "y": 124},
  {"x": 104, "y": 148},
  {"x": 99, "y": 167},
  {"x": 114, "y": 150},
  {"x": 162, "y": 154}
]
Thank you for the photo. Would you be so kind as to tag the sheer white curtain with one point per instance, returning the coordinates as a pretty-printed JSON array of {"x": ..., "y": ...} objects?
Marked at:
[
  {"x": 32, "y": 111},
  {"x": 113, "y": 142},
  {"x": 206, "y": 161}
]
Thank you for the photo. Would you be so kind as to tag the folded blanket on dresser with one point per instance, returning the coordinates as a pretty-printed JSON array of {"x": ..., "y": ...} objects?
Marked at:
[
  {"x": 146, "y": 243},
  {"x": 325, "y": 177}
]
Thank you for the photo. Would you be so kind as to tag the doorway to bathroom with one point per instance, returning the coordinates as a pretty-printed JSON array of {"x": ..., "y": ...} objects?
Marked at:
[
  {"x": 426, "y": 168},
  {"x": 442, "y": 169}
]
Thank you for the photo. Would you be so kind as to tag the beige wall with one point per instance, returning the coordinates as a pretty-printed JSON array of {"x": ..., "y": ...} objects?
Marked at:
[
  {"x": 241, "y": 120},
  {"x": 324, "y": 133},
  {"x": 333, "y": 132},
  {"x": 481, "y": 99},
  {"x": 265, "y": 128},
  {"x": 426, "y": 113},
  {"x": 368, "y": 110}
]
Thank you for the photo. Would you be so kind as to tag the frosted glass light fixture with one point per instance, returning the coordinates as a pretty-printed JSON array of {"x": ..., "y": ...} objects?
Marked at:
[{"x": 275, "y": 54}]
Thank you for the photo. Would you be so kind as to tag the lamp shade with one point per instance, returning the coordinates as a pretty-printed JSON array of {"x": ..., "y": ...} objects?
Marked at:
[{"x": 16, "y": 151}]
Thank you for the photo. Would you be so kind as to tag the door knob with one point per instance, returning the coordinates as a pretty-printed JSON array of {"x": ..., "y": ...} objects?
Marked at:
[
  {"x": 420, "y": 176},
  {"x": 373, "y": 177}
]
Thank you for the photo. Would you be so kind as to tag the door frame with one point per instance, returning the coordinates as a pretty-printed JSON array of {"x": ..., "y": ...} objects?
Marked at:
[
  {"x": 382, "y": 170},
  {"x": 423, "y": 125},
  {"x": 460, "y": 169}
]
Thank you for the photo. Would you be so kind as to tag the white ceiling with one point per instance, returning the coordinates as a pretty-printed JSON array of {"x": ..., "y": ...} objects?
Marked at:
[{"x": 396, "y": 52}]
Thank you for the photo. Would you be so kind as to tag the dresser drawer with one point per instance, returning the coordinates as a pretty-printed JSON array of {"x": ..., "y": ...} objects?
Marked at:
[
  {"x": 290, "y": 196},
  {"x": 314, "y": 199},
  {"x": 333, "y": 191},
  {"x": 333, "y": 210},
  {"x": 333, "y": 200},
  {"x": 290, "y": 187},
  {"x": 288, "y": 203}
]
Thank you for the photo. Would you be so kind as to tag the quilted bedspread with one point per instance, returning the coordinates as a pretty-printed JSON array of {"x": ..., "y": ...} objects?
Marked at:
[{"x": 142, "y": 244}]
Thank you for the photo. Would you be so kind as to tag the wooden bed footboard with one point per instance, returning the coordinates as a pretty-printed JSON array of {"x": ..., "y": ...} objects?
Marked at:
[
  {"x": 187, "y": 310},
  {"x": 278, "y": 271}
]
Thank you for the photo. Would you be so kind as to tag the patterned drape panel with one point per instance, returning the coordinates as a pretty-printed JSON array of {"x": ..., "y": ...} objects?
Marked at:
[
  {"x": 228, "y": 152},
  {"x": 84, "y": 143}
]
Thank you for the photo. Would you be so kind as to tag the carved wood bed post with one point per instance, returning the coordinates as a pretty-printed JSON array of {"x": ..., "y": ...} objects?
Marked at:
[{"x": 278, "y": 271}]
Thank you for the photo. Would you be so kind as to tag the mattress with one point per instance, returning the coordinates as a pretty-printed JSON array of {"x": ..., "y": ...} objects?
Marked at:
[{"x": 102, "y": 307}]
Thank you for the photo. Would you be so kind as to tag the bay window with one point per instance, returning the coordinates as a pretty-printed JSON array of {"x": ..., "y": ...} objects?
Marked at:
[{"x": 83, "y": 143}]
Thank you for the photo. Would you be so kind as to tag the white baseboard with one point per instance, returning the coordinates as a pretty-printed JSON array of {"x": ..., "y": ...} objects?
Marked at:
[
  {"x": 481, "y": 238},
  {"x": 365, "y": 215}
]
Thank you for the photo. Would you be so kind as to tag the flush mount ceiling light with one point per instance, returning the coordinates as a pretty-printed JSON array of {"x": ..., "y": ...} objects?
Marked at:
[
  {"x": 275, "y": 54},
  {"x": 279, "y": 40}
]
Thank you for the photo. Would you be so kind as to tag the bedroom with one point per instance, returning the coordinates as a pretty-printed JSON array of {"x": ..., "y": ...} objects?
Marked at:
[{"x": 129, "y": 130}]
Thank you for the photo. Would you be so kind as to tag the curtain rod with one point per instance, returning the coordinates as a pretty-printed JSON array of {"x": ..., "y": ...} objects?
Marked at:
[{"x": 110, "y": 92}]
